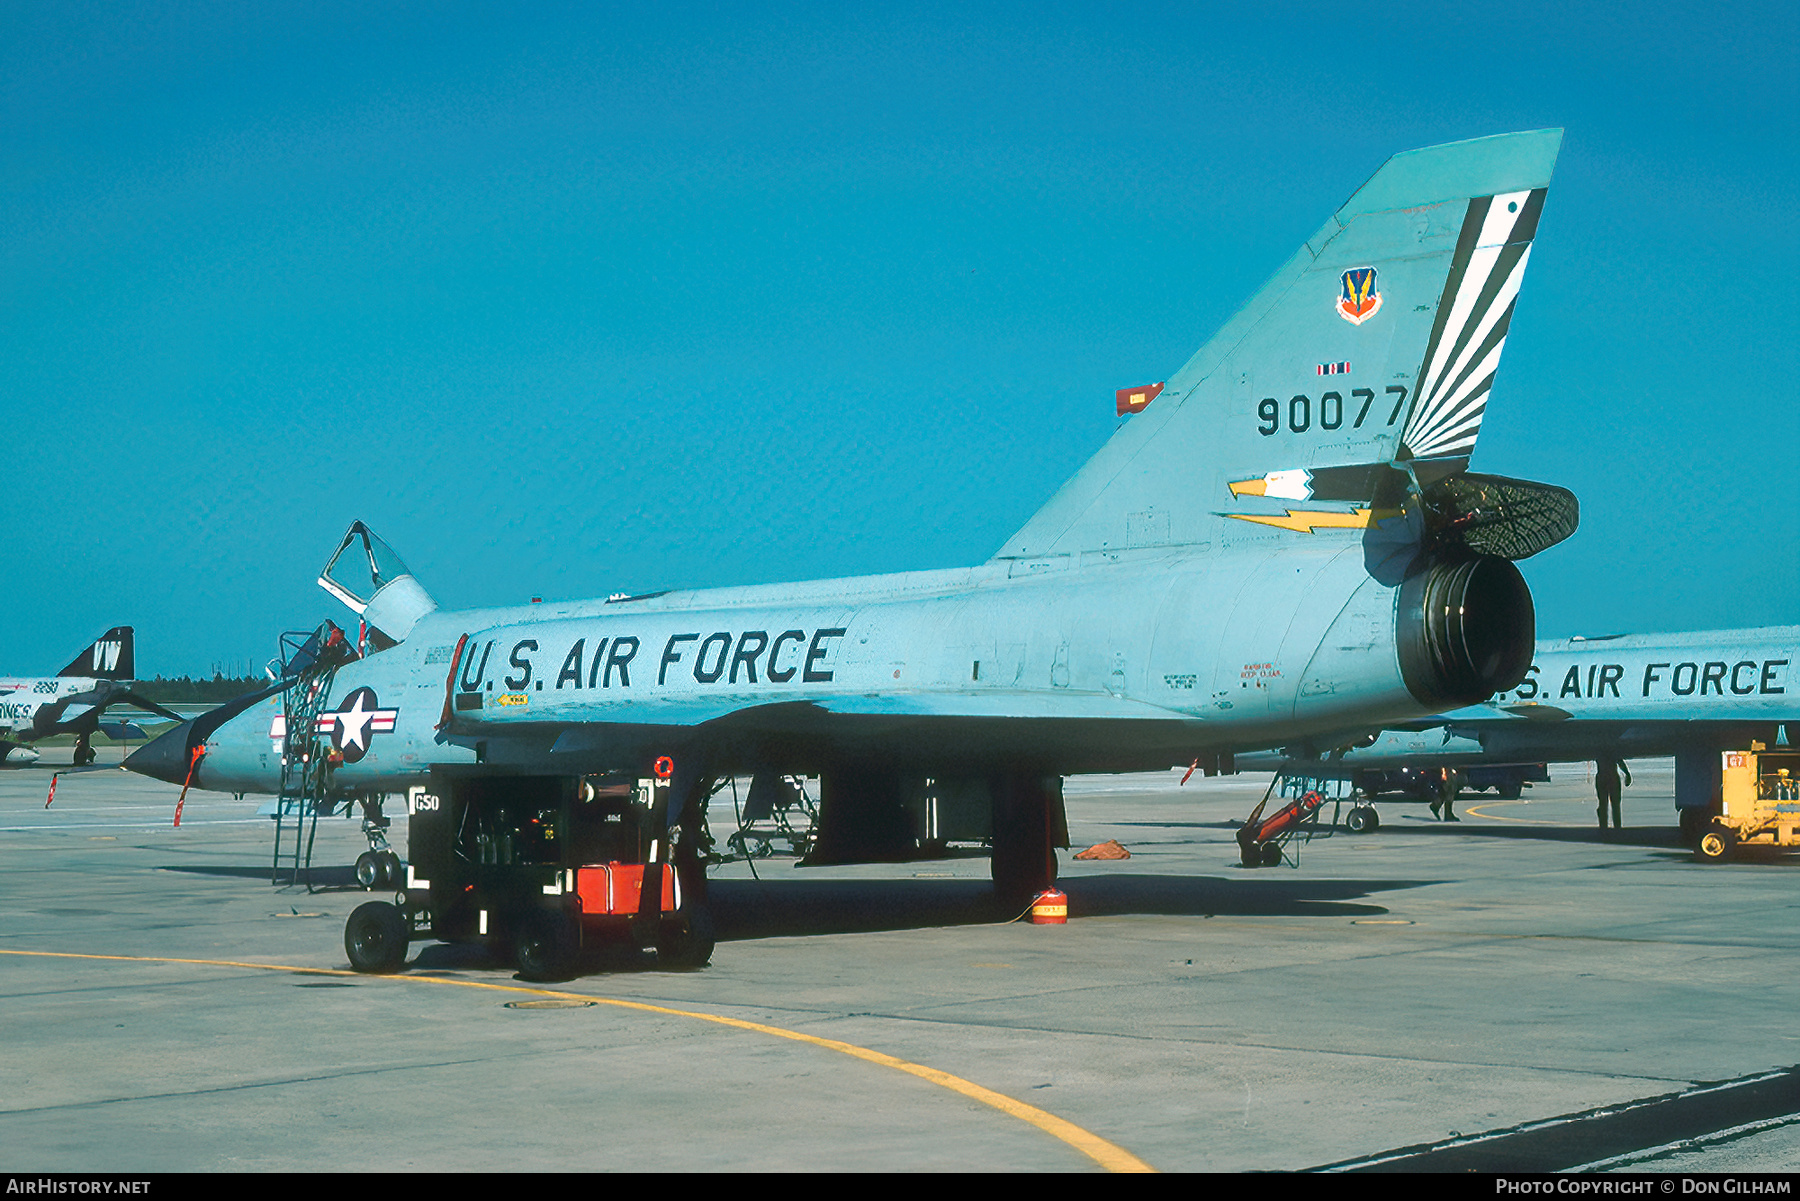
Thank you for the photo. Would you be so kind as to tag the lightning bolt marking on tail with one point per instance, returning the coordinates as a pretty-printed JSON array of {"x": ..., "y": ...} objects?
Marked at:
[{"x": 1307, "y": 521}]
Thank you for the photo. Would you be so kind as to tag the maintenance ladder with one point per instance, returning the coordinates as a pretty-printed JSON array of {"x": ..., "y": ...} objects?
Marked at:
[{"x": 306, "y": 765}]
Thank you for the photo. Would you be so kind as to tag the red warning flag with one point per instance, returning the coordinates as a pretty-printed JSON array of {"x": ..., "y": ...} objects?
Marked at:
[{"x": 1136, "y": 400}]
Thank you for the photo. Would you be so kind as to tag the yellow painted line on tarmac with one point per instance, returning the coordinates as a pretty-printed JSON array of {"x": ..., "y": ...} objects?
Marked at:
[
  {"x": 1108, "y": 1155},
  {"x": 1476, "y": 810}
]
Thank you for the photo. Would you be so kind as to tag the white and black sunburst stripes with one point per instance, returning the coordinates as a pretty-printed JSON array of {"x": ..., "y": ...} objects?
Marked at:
[{"x": 1472, "y": 319}]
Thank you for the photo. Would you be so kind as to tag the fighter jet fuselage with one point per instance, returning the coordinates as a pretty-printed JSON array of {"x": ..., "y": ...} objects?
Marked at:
[{"x": 1141, "y": 659}]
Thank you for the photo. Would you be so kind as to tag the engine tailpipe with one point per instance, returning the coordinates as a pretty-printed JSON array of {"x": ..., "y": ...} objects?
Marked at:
[{"x": 1466, "y": 629}]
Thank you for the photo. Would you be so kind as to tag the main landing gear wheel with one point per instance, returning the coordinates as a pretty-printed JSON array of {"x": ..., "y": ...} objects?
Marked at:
[
  {"x": 375, "y": 937},
  {"x": 1715, "y": 845},
  {"x": 1362, "y": 820},
  {"x": 368, "y": 870},
  {"x": 392, "y": 872},
  {"x": 685, "y": 940},
  {"x": 546, "y": 946},
  {"x": 1025, "y": 816},
  {"x": 1694, "y": 821}
]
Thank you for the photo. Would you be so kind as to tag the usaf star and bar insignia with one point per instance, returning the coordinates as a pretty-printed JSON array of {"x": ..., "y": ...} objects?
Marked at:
[{"x": 358, "y": 717}]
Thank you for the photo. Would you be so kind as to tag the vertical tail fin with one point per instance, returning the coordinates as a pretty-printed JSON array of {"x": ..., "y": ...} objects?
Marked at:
[
  {"x": 1377, "y": 343},
  {"x": 110, "y": 657},
  {"x": 1473, "y": 316}
]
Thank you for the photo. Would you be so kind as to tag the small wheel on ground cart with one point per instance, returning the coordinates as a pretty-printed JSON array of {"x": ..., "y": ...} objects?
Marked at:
[
  {"x": 375, "y": 937},
  {"x": 1715, "y": 845},
  {"x": 1271, "y": 854},
  {"x": 685, "y": 939},
  {"x": 545, "y": 945}
]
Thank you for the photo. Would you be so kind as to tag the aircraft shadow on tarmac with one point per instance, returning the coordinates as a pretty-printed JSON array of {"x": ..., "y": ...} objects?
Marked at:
[
  {"x": 322, "y": 879},
  {"x": 1422, "y": 825},
  {"x": 779, "y": 908},
  {"x": 1665, "y": 840},
  {"x": 749, "y": 909},
  {"x": 746, "y": 910}
]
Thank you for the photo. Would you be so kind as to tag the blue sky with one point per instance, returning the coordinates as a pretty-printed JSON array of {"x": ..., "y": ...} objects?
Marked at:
[{"x": 579, "y": 299}]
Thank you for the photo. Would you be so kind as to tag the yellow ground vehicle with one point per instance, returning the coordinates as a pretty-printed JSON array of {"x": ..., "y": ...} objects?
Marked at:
[{"x": 1759, "y": 802}]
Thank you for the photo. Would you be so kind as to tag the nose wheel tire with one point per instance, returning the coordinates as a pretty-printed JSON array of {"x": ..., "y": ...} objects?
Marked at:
[{"x": 379, "y": 869}]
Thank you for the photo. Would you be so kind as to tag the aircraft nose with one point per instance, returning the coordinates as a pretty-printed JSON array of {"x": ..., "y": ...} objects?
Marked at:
[{"x": 164, "y": 757}]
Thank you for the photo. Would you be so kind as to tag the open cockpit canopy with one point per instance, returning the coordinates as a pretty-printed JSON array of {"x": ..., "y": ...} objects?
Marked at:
[{"x": 369, "y": 577}]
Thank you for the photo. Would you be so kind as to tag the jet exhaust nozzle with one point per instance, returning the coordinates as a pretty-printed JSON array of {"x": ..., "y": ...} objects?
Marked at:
[{"x": 1466, "y": 630}]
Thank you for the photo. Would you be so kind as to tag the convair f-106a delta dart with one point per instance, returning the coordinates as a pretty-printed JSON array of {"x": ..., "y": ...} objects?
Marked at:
[{"x": 1283, "y": 541}]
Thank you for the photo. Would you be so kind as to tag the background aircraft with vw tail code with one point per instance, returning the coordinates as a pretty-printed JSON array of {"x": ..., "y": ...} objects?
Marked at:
[
  {"x": 74, "y": 700},
  {"x": 1283, "y": 541},
  {"x": 1691, "y": 695}
]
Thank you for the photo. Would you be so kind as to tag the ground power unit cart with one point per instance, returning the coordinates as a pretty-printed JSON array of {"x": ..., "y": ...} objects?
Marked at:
[
  {"x": 537, "y": 868},
  {"x": 1759, "y": 802}
]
